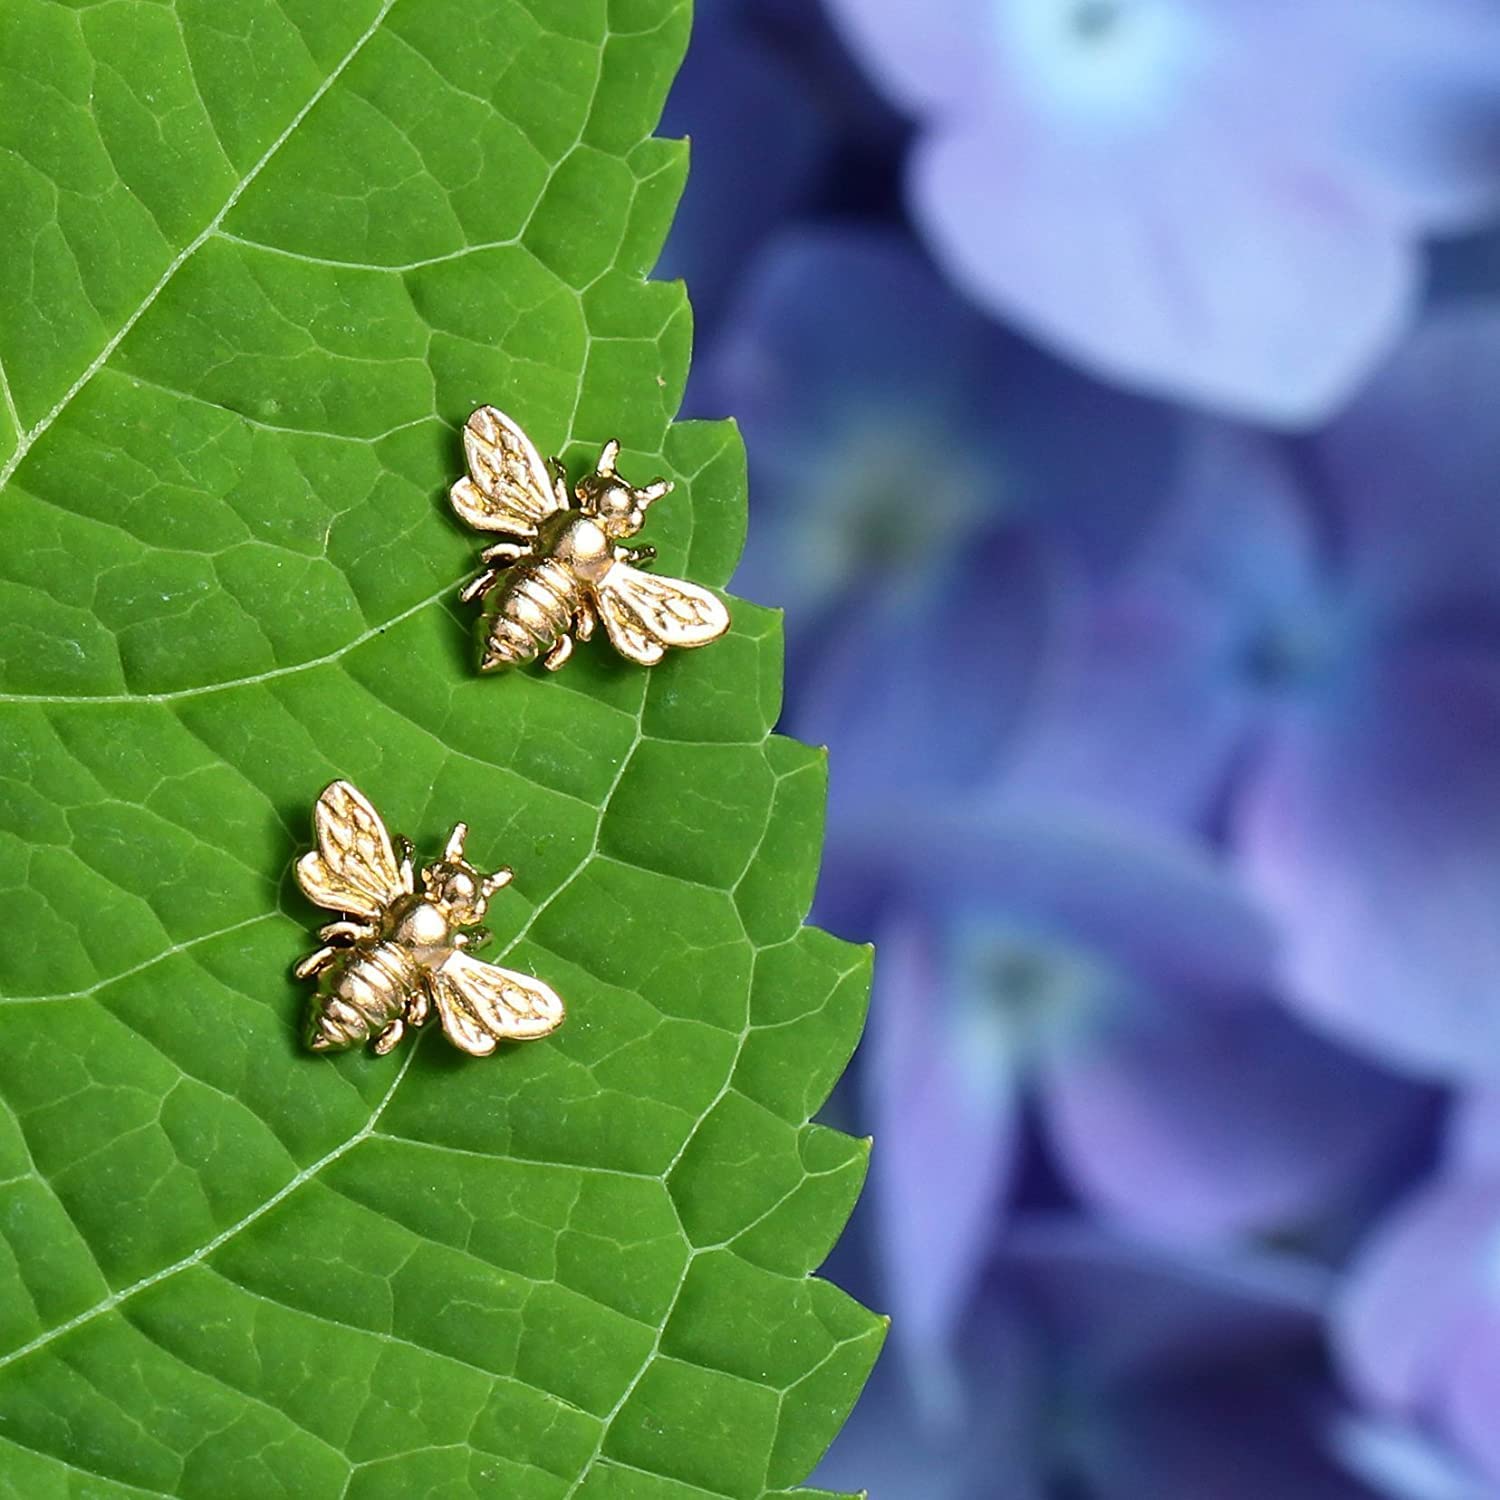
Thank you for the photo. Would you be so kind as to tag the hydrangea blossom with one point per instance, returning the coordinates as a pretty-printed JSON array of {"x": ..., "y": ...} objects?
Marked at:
[
  {"x": 1218, "y": 201},
  {"x": 1304, "y": 658},
  {"x": 1144, "y": 725},
  {"x": 1096, "y": 1369}
]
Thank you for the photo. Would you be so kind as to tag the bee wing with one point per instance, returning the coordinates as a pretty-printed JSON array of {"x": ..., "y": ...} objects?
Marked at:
[
  {"x": 354, "y": 869},
  {"x": 645, "y": 613},
  {"x": 507, "y": 487},
  {"x": 482, "y": 1005}
]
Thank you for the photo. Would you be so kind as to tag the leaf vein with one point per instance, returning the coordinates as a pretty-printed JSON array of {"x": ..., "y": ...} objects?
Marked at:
[
  {"x": 108, "y": 1304},
  {"x": 203, "y": 690},
  {"x": 28, "y": 439}
]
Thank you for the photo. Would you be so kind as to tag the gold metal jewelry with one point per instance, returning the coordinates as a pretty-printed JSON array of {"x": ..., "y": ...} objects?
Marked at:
[
  {"x": 399, "y": 950},
  {"x": 564, "y": 570}
]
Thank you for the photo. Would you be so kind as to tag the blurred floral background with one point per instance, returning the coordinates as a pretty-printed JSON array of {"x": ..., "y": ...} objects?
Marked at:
[{"x": 1120, "y": 380}]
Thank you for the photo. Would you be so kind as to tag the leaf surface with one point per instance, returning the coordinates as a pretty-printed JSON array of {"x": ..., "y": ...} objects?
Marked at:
[{"x": 261, "y": 259}]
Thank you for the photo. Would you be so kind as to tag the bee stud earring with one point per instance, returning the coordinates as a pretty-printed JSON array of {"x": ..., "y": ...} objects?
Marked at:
[
  {"x": 564, "y": 567},
  {"x": 400, "y": 946}
]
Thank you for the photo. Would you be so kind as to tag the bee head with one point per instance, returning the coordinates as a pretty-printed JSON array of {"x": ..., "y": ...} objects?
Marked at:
[
  {"x": 454, "y": 884},
  {"x": 618, "y": 507}
]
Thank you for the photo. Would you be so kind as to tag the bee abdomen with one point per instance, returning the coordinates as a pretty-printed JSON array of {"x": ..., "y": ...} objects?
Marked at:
[
  {"x": 533, "y": 609},
  {"x": 368, "y": 991}
]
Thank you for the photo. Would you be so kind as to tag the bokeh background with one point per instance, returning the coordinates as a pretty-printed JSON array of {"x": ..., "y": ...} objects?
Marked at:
[{"x": 1120, "y": 380}]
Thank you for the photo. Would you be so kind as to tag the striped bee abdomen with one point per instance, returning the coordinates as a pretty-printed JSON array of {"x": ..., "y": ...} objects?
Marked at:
[
  {"x": 530, "y": 611},
  {"x": 365, "y": 993}
]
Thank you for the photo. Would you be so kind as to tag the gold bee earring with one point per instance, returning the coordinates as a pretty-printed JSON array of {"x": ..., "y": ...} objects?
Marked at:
[
  {"x": 399, "y": 950},
  {"x": 564, "y": 568}
]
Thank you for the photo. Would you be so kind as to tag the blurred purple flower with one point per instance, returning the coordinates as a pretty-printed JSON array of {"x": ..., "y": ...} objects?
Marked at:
[
  {"x": 1121, "y": 989},
  {"x": 1217, "y": 201},
  {"x": 1418, "y": 1328},
  {"x": 890, "y": 431},
  {"x": 1106, "y": 1372},
  {"x": 1306, "y": 658}
]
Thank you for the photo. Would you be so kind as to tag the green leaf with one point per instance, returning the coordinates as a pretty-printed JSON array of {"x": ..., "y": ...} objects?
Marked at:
[{"x": 261, "y": 258}]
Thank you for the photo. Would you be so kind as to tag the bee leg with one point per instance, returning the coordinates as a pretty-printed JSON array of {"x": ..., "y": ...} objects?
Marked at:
[
  {"x": 476, "y": 937},
  {"x": 346, "y": 932},
  {"x": 504, "y": 553},
  {"x": 633, "y": 556},
  {"x": 419, "y": 1007},
  {"x": 559, "y": 653},
  {"x": 479, "y": 587},
  {"x": 389, "y": 1038},
  {"x": 315, "y": 963}
]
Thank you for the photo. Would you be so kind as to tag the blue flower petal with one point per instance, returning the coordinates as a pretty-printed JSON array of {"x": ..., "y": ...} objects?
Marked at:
[
  {"x": 1203, "y": 274},
  {"x": 1212, "y": 201},
  {"x": 1418, "y": 1329},
  {"x": 1220, "y": 615},
  {"x": 1371, "y": 832},
  {"x": 1473, "y": 1143},
  {"x": 1403, "y": 1464},
  {"x": 929, "y": 58},
  {"x": 1421, "y": 105},
  {"x": 946, "y": 1122},
  {"x": 1214, "y": 1119},
  {"x": 925, "y": 695},
  {"x": 1411, "y": 471}
]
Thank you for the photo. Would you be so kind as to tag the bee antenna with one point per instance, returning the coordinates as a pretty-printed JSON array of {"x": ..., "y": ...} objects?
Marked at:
[
  {"x": 498, "y": 881},
  {"x": 609, "y": 456},
  {"x": 454, "y": 853},
  {"x": 654, "y": 491}
]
